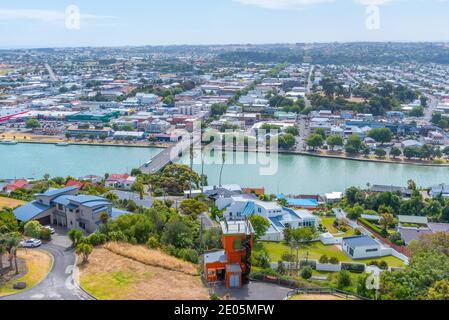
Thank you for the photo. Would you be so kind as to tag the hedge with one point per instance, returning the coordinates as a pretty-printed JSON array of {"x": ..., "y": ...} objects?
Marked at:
[{"x": 353, "y": 267}]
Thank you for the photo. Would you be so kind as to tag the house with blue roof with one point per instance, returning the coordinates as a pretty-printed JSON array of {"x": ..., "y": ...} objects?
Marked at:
[
  {"x": 65, "y": 208},
  {"x": 243, "y": 206}
]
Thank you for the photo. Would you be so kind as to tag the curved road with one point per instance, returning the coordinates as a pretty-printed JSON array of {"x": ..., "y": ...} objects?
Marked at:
[{"x": 59, "y": 284}]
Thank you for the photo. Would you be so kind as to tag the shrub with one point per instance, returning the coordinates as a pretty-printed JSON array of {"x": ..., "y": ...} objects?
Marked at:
[
  {"x": 33, "y": 229},
  {"x": 117, "y": 236},
  {"x": 261, "y": 260},
  {"x": 75, "y": 235},
  {"x": 306, "y": 273},
  {"x": 324, "y": 259},
  {"x": 374, "y": 263},
  {"x": 45, "y": 234},
  {"x": 96, "y": 239},
  {"x": 396, "y": 238},
  {"x": 281, "y": 268},
  {"x": 343, "y": 279},
  {"x": 334, "y": 260},
  {"x": 153, "y": 243},
  {"x": 383, "y": 265},
  {"x": 353, "y": 267},
  {"x": 189, "y": 255}
]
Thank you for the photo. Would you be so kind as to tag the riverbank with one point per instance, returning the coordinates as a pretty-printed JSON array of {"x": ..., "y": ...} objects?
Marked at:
[
  {"x": 343, "y": 156},
  {"x": 42, "y": 139}
]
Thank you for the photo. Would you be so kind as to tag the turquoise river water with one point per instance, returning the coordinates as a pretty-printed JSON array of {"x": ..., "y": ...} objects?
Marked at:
[{"x": 292, "y": 174}]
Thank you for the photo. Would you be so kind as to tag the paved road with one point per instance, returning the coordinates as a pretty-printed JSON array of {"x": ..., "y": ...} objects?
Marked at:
[
  {"x": 254, "y": 291},
  {"x": 208, "y": 223},
  {"x": 58, "y": 285}
]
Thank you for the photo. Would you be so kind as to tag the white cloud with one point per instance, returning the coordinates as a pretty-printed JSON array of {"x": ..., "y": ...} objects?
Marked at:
[
  {"x": 282, "y": 4},
  {"x": 43, "y": 15},
  {"x": 374, "y": 2}
]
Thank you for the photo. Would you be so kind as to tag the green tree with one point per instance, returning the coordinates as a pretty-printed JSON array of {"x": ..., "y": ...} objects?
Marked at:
[
  {"x": 343, "y": 279},
  {"x": 353, "y": 144},
  {"x": 193, "y": 207},
  {"x": 382, "y": 135},
  {"x": 75, "y": 235},
  {"x": 33, "y": 229},
  {"x": 380, "y": 153},
  {"x": 306, "y": 273},
  {"x": 218, "y": 109},
  {"x": 439, "y": 291},
  {"x": 32, "y": 124},
  {"x": 260, "y": 225},
  {"x": 417, "y": 112},
  {"x": 356, "y": 212},
  {"x": 395, "y": 152},
  {"x": 286, "y": 141},
  {"x": 315, "y": 141},
  {"x": 8, "y": 221},
  {"x": 178, "y": 234},
  {"x": 321, "y": 132},
  {"x": 84, "y": 250},
  {"x": 293, "y": 130},
  {"x": 334, "y": 141}
]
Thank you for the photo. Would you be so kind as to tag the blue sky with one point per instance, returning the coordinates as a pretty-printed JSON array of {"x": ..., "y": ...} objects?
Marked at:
[{"x": 30, "y": 23}]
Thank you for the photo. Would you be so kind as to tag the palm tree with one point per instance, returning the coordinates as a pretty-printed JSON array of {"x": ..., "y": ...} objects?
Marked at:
[
  {"x": 223, "y": 160},
  {"x": 3, "y": 250},
  {"x": 112, "y": 197},
  {"x": 104, "y": 217},
  {"x": 12, "y": 243}
]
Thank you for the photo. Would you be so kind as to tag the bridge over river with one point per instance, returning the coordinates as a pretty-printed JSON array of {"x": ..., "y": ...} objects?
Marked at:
[{"x": 169, "y": 155}]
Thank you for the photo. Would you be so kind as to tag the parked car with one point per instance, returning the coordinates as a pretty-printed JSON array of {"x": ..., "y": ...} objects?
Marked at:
[
  {"x": 52, "y": 230},
  {"x": 30, "y": 243}
]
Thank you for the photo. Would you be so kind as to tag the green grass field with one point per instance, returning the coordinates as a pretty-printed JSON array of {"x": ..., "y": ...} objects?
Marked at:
[
  {"x": 315, "y": 250},
  {"x": 328, "y": 223}
]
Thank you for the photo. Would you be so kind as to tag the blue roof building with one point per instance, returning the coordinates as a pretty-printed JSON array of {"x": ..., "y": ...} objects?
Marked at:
[{"x": 65, "y": 208}]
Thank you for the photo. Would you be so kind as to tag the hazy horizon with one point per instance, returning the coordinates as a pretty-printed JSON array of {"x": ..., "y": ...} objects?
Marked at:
[{"x": 101, "y": 23}]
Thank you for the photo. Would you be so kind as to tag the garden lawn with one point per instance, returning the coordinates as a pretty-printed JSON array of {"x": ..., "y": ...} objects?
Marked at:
[
  {"x": 38, "y": 265},
  {"x": 328, "y": 223},
  {"x": 315, "y": 250},
  {"x": 10, "y": 203}
]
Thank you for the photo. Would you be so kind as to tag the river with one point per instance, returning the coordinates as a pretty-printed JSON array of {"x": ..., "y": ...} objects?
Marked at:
[{"x": 292, "y": 174}]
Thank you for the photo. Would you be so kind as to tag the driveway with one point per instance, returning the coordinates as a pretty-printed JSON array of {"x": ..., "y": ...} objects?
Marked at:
[
  {"x": 59, "y": 284},
  {"x": 254, "y": 291}
]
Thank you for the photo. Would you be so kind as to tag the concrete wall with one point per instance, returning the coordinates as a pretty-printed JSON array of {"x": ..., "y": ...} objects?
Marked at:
[{"x": 328, "y": 267}]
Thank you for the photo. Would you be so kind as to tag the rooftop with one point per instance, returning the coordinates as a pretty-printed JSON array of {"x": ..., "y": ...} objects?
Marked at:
[
  {"x": 360, "y": 241},
  {"x": 29, "y": 211},
  {"x": 236, "y": 227}
]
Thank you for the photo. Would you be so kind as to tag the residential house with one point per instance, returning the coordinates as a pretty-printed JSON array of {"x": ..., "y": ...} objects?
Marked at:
[
  {"x": 65, "y": 208},
  {"x": 14, "y": 185},
  {"x": 243, "y": 206},
  {"x": 120, "y": 181},
  {"x": 441, "y": 189}
]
